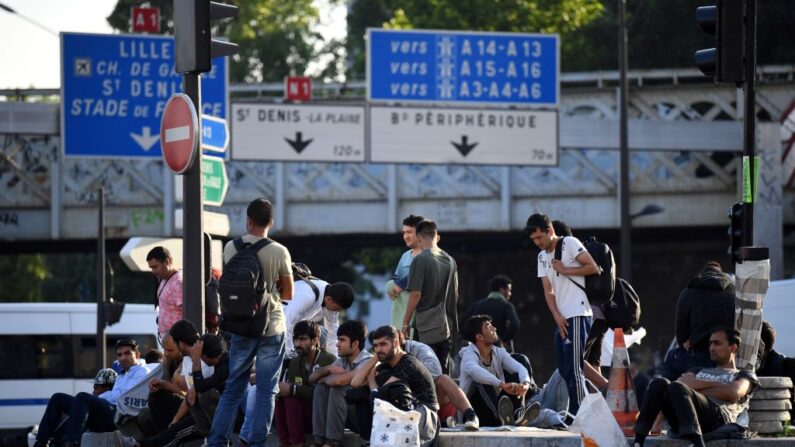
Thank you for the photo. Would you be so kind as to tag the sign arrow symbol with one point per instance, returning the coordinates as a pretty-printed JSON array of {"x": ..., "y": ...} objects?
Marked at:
[
  {"x": 146, "y": 140},
  {"x": 298, "y": 144},
  {"x": 464, "y": 147}
]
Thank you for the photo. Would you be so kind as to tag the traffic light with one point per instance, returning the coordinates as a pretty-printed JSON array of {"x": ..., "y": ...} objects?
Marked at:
[
  {"x": 113, "y": 312},
  {"x": 735, "y": 231},
  {"x": 194, "y": 46},
  {"x": 724, "y": 20}
]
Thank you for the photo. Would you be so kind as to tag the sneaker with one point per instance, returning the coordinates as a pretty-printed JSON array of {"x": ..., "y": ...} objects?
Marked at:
[
  {"x": 450, "y": 422},
  {"x": 529, "y": 413},
  {"x": 128, "y": 441},
  {"x": 471, "y": 422},
  {"x": 505, "y": 410}
]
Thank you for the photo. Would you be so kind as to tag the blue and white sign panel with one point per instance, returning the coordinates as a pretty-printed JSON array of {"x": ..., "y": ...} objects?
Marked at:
[
  {"x": 215, "y": 134},
  {"x": 463, "y": 67},
  {"x": 114, "y": 89}
]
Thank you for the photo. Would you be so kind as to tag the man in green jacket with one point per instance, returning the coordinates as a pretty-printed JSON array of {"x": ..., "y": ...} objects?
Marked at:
[{"x": 294, "y": 403}]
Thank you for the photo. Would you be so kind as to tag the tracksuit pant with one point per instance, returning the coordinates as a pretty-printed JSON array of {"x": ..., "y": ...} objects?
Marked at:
[{"x": 570, "y": 355}]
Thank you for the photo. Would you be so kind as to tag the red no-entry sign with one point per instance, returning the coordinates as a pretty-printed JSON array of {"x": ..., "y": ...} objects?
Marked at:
[{"x": 179, "y": 133}]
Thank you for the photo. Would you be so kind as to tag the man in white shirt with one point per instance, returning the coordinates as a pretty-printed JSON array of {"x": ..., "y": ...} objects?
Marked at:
[
  {"x": 86, "y": 411},
  {"x": 564, "y": 280},
  {"x": 322, "y": 309}
]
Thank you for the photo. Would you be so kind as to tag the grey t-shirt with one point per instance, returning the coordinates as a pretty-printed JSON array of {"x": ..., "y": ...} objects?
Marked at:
[
  {"x": 429, "y": 274},
  {"x": 732, "y": 412}
]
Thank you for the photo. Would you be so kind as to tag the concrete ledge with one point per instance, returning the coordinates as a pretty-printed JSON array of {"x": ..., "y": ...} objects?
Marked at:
[
  {"x": 534, "y": 438},
  {"x": 553, "y": 438}
]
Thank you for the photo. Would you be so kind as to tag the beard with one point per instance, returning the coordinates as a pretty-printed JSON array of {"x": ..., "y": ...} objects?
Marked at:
[{"x": 385, "y": 356}]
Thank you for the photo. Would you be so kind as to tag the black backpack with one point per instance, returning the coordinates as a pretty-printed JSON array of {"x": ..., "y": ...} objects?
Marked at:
[
  {"x": 623, "y": 311},
  {"x": 242, "y": 288},
  {"x": 601, "y": 286},
  {"x": 301, "y": 272}
]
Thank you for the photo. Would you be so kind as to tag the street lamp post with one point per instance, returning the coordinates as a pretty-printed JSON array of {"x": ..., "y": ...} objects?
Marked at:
[{"x": 11, "y": 10}]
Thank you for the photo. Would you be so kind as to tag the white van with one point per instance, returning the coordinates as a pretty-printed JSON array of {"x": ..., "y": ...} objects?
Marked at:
[
  {"x": 46, "y": 348},
  {"x": 779, "y": 310}
]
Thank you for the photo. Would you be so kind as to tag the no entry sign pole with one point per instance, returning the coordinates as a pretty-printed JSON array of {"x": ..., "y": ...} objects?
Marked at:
[{"x": 192, "y": 224}]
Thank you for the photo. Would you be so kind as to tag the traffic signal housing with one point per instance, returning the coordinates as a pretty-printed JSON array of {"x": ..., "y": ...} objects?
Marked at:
[
  {"x": 725, "y": 21},
  {"x": 194, "y": 46},
  {"x": 735, "y": 231}
]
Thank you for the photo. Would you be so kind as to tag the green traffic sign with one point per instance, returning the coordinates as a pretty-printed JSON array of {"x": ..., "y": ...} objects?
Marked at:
[{"x": 215, "y": 183}]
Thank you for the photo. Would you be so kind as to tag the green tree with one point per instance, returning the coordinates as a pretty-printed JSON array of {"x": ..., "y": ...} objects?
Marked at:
[
  {"x": 665, "y": 34},
  {"x": 564, "y": 17},
  {"x": 21, "y": 277},
  {"x": 276, "y": 38}
]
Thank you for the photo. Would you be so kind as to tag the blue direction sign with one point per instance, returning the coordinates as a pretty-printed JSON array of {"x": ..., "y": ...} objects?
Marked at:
[
  {"x": 114, "y": 89},
  {"x": 463, "y": 67},
  {"x": 215, "y": 134}
]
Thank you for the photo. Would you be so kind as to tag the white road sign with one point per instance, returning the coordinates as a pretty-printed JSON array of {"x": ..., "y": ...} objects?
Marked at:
[
  {"x": 463, "y": 136},
  {"x": 298, "y": 132}
]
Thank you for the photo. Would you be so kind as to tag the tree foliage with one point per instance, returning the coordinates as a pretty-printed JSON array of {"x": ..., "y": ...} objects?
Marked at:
[
  {"x": 21, "y": 277},
  {"x": 276, "y": 37},
  {"x": 665, "y": 34},
  {"x": 528, "y": 16}
]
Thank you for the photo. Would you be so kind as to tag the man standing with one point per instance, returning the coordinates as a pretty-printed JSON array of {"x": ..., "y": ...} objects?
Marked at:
[
  {"x": 169, "y": 289},
  {"x": 433, "y": 287},
  {"x": 497, "y": 305},
  {"x": 332, "y": 382},
  {"x": 562, "y": 280},
  {"x": 395, "y": 288},
  {"x": 267, "y": 349},
  {"x": 704, "y": 399},
  {"x": 86, "y": 411},
  {"x": 493, "y": 381},
  {"x": 294, "y": 404},
  {"x": 403, "y": 381},
  {"x": 322, "y": 309}
]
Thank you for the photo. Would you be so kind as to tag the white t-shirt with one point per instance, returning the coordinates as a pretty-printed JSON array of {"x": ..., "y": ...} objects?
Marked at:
[
  {"x": 304, "y": 306},
  {"x": 187, "y": 369},
  {"x": 570, "y": 299}
]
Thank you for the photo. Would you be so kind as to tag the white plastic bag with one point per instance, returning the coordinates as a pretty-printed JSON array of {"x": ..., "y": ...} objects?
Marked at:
[
  {"x": 595, "y": 422},
  {"x": 394, "y": 427}
]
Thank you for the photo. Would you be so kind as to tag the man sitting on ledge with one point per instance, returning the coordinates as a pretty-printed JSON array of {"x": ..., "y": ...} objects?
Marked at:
[{"x": 703, "y": 399}]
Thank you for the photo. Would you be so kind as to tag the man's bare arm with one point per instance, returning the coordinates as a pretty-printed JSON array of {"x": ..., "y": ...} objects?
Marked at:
[
  {"x": 414, "y": 299},
  {"x": 339, "y": 379},
  {"x": 360, "y": 378},
  {"x": 286, "y": 287}
]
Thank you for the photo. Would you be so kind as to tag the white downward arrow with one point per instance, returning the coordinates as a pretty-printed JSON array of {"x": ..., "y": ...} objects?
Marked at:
[{"x": 146, "y": 140}]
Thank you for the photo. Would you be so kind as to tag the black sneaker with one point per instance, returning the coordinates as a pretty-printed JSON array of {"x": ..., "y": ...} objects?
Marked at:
[
  {"x": 528, "y": 414},
  {"x": 505, "y": 410},
  {"x": 471, "y": 421}
]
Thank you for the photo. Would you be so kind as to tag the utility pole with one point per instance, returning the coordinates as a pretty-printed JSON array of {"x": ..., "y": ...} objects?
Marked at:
[
  {"x": 623, "y": 105},
  {"x": 194, "y": 50},
  {"x": 101, "y": 356}
]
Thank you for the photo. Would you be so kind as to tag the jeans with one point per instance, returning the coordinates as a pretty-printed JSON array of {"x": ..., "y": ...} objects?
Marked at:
[
  {"x": 85, "y": 411},
  {"x": 687, "y": 411},
  {"x": 329, "y": 412},
  {"x": 293, "y": 419},
  {"x": 243, "y": 351},
  {"x": 570, "y": 356}
]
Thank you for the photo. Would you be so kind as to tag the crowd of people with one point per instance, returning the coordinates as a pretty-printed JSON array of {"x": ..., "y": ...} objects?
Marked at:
[{"x": 313, "y": 377}]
